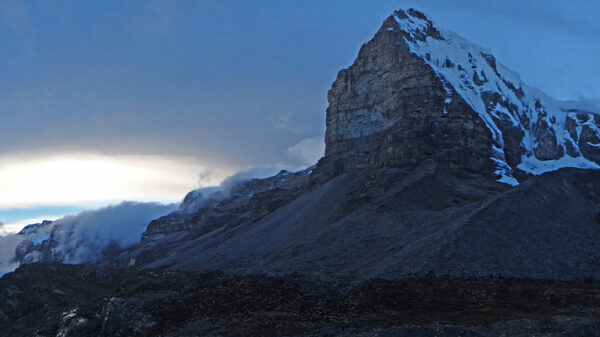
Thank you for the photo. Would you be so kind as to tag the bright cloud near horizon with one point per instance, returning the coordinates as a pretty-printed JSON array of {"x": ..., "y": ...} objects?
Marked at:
[
  {"x": 103, "y": 101},
  {"x": 91, "y": 179},
  {"x": 72, "y": 182}
]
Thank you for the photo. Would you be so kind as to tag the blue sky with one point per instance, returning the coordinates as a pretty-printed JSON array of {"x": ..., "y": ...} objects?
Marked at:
[
  {"x": 221, "y": 85},
  {"x": 25, "y": 213}
]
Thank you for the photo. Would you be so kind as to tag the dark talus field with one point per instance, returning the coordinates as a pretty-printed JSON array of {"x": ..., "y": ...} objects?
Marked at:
[
  {"x": 452, "y": 200},
  {"x": 65, "y": 300}
]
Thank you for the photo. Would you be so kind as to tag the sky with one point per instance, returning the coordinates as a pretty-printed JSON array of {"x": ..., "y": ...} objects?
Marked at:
[{"x": 104, "y": 101}]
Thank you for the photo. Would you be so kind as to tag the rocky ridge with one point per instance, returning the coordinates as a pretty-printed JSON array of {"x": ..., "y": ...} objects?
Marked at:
[{"x": 245, "y": 201}]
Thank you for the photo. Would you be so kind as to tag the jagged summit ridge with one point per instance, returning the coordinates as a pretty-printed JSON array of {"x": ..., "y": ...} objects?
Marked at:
[
  {"x": 527, "y": 130},
  {"x": 515, "y": 103}
]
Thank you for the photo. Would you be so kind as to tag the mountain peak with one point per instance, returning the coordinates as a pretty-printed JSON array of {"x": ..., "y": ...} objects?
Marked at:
[
  {"x": 414, "y": 23},
  {"x": 413, "y": 89}
]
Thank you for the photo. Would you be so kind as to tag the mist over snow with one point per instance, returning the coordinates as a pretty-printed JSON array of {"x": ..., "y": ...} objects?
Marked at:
[
  {"x": 299, "y": 156},
  {"x": 3, "y": 229},
  {"x": 307, "y": 151},
  {"x": 83, "y": 237},
  {"x": 8, "y": 244},
  {"x": 254, "y": 172}
]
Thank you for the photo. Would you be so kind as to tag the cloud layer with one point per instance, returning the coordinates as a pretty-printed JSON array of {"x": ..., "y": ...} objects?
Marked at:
[
  {"x": 232, "y": 82},
  {"x": 76, "y": 179},
  {"x": 82, "y": 238}
]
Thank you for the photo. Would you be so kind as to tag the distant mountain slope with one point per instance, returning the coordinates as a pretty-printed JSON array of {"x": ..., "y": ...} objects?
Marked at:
[{"x": 393, "y": 223}]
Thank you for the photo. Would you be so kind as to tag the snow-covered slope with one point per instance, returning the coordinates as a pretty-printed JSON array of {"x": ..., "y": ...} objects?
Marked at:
[{"x": 550, "y": 131}]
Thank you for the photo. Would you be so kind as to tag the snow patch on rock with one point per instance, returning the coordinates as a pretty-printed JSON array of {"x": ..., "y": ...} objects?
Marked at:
[{"x": 472, "y": 72}]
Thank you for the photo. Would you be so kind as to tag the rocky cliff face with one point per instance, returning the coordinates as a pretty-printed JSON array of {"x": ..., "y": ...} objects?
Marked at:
[
  {"x": 390, "y": 108},
  {"x": 417, "y": 92}
]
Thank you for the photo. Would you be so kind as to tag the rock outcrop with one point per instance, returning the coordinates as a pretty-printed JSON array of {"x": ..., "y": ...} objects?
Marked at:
[
  {"x": 245, "y": 201},
  {"x": 417, "y": 92},
  {"x": 391, "y": 109}
]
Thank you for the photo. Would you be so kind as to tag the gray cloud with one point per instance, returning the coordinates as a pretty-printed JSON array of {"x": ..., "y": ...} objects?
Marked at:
[
  {"x": 167, "y": 78},
  {"x": 158, "y": 19},
  {"x": 14, "y": 15},
  {"x": 8, "y": 244},
  {"x": 577, "y": 18},
  {"x": 307, "y": 151},
  {"x": 250, "y": 173}
]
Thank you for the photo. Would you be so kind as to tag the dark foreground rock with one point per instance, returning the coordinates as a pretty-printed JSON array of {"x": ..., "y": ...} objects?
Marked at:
[{"x": 67, "y": 300}]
